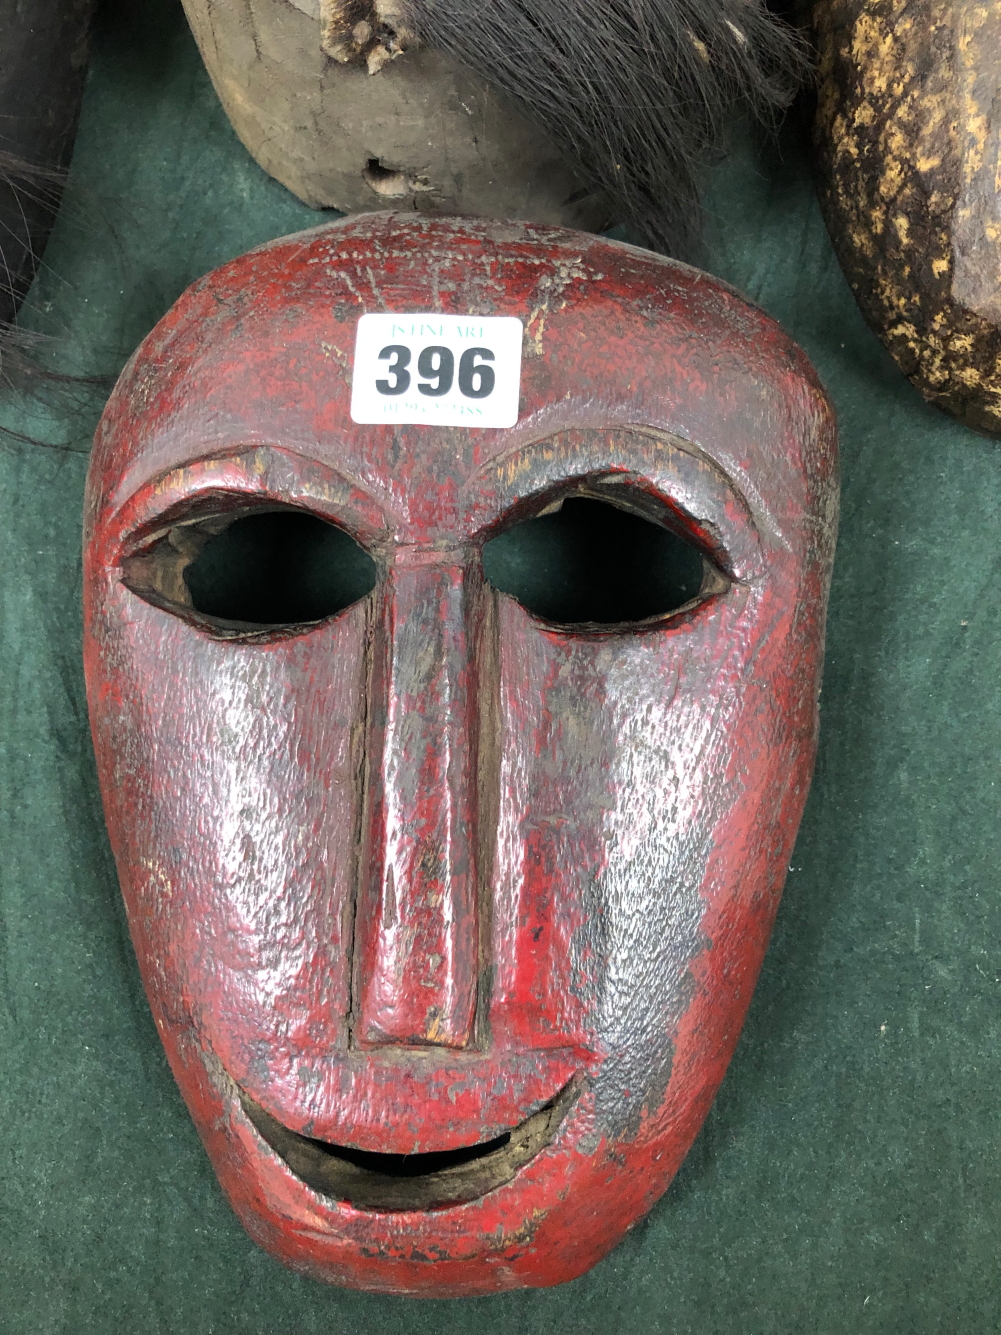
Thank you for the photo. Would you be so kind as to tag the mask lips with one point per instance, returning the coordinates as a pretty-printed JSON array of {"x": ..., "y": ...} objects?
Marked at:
[{"x": 398, "y": 1182}]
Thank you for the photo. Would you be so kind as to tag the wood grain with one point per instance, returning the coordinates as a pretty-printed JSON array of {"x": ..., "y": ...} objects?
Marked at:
[{"x": 421, "y": 131}]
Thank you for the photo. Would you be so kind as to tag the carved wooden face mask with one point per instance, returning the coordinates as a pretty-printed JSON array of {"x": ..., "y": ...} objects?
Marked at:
[
  {"x": 453, "y": 771},
  {"x": 577, "y": 114}
]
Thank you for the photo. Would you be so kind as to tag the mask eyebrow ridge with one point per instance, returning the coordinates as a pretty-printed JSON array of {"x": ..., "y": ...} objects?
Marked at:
[
  {"x": 610, "y": 462},
  {"x": 144, "y": 490}
]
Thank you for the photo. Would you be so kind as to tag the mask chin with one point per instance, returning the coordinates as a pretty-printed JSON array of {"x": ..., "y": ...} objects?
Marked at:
[
  {"x": 349, "y": 110},
  {"x": 555, "y": 112}
]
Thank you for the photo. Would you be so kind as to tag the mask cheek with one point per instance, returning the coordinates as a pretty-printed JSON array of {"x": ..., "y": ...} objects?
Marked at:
[
  {"x": 232, "y": 806},
  {"x": 712, "y": 773}
]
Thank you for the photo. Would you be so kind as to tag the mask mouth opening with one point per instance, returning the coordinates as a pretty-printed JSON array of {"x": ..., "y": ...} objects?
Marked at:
[{"x": 434, "y": 1181}]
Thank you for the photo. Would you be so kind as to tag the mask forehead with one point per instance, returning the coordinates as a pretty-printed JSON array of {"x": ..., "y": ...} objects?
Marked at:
[
  {"x": 402, "y": 879},
  {"x": 261, "y": 352}
]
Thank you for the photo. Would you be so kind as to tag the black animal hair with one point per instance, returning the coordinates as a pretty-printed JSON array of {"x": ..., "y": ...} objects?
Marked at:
[
  {"x": 637, "y": 91},
  {"x": 29, "y": 199},
  {"x": 42, "y": 68}
]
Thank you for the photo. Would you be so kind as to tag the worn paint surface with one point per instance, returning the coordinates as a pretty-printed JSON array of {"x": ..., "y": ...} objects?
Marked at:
[
  {"x": 402, "y": 876},
  {"x": 427, "y": 132},
  {"x": 909, "y": 138}
]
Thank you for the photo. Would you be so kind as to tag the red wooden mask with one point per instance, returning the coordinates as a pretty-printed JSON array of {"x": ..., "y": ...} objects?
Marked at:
[{"x": 452, "y": 771}]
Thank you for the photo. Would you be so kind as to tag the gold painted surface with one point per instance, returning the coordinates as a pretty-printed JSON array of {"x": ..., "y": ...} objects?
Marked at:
[
  {"x": 976, "y": 232},
  {"x": 907, "y": 135}
]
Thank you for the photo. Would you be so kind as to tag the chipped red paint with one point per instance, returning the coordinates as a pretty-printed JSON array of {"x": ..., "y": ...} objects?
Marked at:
[{"x": 403, "y": 876}]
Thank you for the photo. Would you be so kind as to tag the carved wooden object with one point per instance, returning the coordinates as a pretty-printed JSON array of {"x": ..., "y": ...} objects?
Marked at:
[
  {"x": 320, "y": 100},
  {"x": 909, "y": 138},
  {"x": 450, "y": 904}
]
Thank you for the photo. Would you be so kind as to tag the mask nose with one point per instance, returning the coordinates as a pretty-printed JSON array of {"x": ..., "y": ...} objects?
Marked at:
[{"x": 416, "y": 929}]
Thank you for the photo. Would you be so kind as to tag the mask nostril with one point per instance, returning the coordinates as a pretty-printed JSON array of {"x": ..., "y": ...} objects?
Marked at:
[
  {"x": 384, "y": 181},
  {"x": 592, "y": 563},
  {"x": 393, "y": 184}
]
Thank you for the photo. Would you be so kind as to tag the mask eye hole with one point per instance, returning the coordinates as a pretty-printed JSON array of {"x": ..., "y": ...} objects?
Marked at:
[
  {"x": 253, "y": 570},
  {"x": 591, "y": 563}
]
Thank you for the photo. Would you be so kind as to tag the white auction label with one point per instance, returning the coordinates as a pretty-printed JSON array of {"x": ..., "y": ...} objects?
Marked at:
[{"x": 443, "y": 370}]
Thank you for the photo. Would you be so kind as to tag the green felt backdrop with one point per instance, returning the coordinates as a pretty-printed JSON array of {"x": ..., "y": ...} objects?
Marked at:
[{"x": 847, "y": 1178}]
